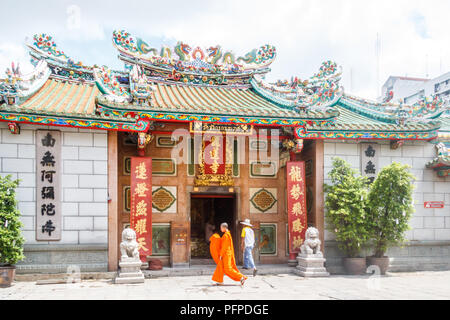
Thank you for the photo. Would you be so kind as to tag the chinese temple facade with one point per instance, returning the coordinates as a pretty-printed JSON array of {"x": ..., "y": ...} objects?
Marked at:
[{"x": 184, "y": 138}]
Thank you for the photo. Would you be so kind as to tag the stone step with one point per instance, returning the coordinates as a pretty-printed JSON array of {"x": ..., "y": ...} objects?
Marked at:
[
  {"x": 196, "y": 270},
  {"x": 60, "y": 268},
  {"x": 129, "y": 280},
  {"x": 130, "y": 274}
]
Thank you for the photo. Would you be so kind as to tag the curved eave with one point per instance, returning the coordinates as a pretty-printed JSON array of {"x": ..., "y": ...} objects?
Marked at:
[
  {"x": 336, "y": 133},
  {"x": 174, "y": 116},
  {"x": 367, "y": 109},
  {"x": 291, "y": 105},
  {"x": 74, "y": 121},
  {"x": 270, "y": 96},
  {"x": 128, "y": 110},
  {"x": 357, "y": 107},
  {"x": 56, "y": 62}
]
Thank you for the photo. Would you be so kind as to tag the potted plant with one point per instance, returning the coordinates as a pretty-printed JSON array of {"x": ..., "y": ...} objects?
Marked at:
[
  {"x": 346, "y": 213},
  {"x": 11, "y": 240},
  {"x": 389, "y": 210}
]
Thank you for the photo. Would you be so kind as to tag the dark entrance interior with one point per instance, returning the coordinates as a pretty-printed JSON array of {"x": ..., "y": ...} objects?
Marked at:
[{"x": 207, "y": 213}]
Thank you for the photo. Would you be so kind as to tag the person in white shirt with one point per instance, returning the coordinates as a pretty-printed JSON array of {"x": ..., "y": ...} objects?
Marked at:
[{"x": 247, "y": 244}]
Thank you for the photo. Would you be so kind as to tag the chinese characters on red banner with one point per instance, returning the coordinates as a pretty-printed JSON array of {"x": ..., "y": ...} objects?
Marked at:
[
  {"x": 48, "y": 192},
  {"x": 296, "y": 204},
  {"x": 215, "y": 154},
  {"x": 141, "y": 203}
]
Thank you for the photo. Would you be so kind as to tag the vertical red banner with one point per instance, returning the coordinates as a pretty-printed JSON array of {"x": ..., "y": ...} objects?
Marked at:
[
  {"x": 141, "y": 203},
  {"x": 215, "y": 154},
  {"x": 296, "y": 204}
]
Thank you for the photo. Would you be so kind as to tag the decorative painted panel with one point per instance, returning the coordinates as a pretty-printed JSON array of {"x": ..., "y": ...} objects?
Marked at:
[
  {"x": 235, "y": 159},
  {"x": 161, "y": 239},
  {"x": 263, "y": 200},
  {"x": 126, "y": 199},
  {"x": 255, "y": 144},
  {"x": 48, "y": 185},
  {"x": 126, "y": 166},
  {"x": 164, "y": 199},
  {"x": 268, "y": 239},
  {"x": 165, "y": 141},
  {"x": 191, "y": 157},
  {"x": 263, "y": 169},
  {"x": 164, "y": 167}
]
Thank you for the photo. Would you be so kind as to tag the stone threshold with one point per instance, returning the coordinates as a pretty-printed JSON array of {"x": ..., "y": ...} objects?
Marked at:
[
  {"x": 194, "y": 270},
  {"x": 202, "y": 270}
]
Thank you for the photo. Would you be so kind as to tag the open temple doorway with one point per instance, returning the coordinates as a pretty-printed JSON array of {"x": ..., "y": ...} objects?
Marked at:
[{"x": 207, "y": 213}]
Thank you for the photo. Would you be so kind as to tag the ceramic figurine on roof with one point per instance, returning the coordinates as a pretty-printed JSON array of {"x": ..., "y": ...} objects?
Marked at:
[
  {"x": 319, "y": 91},
  {"x": 16, "y": 87},
  {"x": 43, "y": 47},
  {"x": 109, "y": 84},
  {"x": 44, "y": 44},
  {"x": 139, "y": 86},
  {"x": 441, "y": 164}
]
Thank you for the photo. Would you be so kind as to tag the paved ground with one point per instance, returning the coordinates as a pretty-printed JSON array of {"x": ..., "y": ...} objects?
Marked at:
[{"x": 423, "y": 285}]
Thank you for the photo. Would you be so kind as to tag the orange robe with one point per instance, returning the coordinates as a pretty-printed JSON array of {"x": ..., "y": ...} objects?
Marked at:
[
  {"x": 227, "y": 264},
  {"x": 214, "y": 249}
]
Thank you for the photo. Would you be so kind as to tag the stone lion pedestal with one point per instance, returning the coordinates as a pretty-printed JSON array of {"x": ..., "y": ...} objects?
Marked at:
[
  {"x": 310, "y": 259},
  {"x": 130, "y": 264}
]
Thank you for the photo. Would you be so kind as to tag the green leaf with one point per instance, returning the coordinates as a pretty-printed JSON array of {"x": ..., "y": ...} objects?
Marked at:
[{"x": 11, "y": 240}]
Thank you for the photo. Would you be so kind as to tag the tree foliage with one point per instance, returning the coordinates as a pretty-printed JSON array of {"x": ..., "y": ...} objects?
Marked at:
[
  {"x": 346, "y": 207},
  {"x": 390, "y": 206},
  {"x": 11, "y": 240}
]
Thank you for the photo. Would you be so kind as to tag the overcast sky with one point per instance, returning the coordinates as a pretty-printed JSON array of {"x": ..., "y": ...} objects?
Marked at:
[{"x": 414, "y": 35}]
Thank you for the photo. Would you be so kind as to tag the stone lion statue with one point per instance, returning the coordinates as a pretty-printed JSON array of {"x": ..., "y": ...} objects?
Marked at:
[
  {"x": 311, "y": 246},
  {"x": 129, "y": 246}
]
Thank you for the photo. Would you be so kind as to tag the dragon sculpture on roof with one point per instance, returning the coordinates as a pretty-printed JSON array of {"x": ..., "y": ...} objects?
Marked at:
[{"x": 194, "y": 59}]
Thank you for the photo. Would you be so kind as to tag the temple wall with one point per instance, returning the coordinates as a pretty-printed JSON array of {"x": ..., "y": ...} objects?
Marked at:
[
  {"x": 83, "y": 200},
  {"x": 428, "y": 244}
]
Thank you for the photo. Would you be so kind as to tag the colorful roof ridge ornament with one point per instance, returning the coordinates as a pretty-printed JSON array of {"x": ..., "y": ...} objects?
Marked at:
[
  {"x": 139, "y": 86},
  {"x": 441, "y": 164},
  {"x": 425, "y": 110},
  {"x": 108, "y": 83},
  {"x": 320, "y": 91},
  {"x": 16, "y": 87},
  {"x": 45, "y": 44},
  {"x": 192, "y": 64}
]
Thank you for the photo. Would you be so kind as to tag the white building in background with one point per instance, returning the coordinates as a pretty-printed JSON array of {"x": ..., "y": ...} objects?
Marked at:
[{"x": 413, "y": 89}]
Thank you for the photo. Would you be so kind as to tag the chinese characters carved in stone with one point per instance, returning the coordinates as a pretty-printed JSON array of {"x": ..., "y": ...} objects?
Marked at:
[{"x": 48, "y": 192}]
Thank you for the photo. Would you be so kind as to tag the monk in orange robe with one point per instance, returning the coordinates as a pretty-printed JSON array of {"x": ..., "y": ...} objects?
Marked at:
[
  {"x": 214, "y": 249},
  {"x": 227, "y": 259}
]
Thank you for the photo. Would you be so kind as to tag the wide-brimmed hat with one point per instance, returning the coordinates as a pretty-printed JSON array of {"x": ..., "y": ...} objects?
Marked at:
[{"x": 247, "y": 222}]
